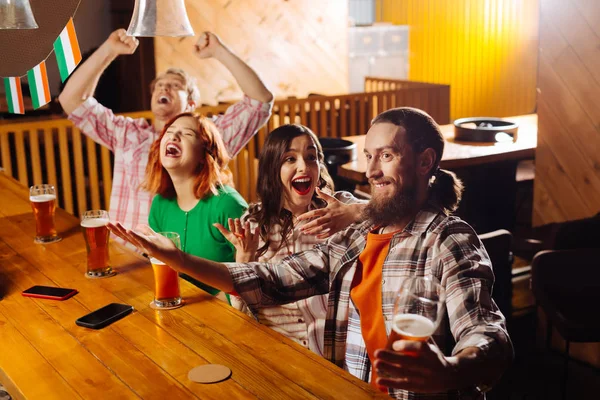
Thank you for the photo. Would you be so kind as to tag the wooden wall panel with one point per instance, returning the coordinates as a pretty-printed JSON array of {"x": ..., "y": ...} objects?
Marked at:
[
  {"x": 297, "y": 47},
  {"x": 486, "y": 51},
  {"x": 567, "y": 184}
]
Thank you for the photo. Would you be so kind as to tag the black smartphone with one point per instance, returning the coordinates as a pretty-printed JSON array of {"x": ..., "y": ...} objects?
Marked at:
[
  {"x": 104, "y": 316},
  {"x": 49, "y": 292}
]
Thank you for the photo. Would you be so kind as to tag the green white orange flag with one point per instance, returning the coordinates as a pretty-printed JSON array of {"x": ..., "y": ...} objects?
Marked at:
[
  {"x": 37, "y": 77},
  {"x": 66, "y": 48},
  {"x": 14, "y": 97}
]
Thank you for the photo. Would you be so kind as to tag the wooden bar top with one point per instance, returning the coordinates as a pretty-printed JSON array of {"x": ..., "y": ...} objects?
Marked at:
[
  {"x": 148, "y": 354},
  {"x": 461, "y": 154}
]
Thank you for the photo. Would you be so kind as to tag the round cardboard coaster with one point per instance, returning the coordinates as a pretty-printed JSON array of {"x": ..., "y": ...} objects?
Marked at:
[
  {"x": 155, "y": 307},
  {"x": 210, "y": 373},
  {"x": 111, "y": 273}
]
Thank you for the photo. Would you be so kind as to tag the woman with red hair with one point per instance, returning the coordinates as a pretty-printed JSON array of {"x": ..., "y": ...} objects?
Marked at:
[{"x": 187, "y": 170}]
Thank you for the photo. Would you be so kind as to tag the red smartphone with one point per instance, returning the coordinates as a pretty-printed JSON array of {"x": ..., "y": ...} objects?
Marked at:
[{"x": 49, "y": 292}]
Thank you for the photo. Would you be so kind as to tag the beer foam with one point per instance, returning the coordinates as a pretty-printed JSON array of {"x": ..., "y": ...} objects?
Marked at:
[
  {"x": 413, "y": 325},
  {"x": 40, "y": 198},
  {"x": 156, "y": 261},
  {"x": 94, "y": 222}
]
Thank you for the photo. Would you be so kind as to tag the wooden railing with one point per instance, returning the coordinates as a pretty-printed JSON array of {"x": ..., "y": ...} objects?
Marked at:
[
  {"x": 431, "y": 97},
  {"x": 54, "y": 151}
]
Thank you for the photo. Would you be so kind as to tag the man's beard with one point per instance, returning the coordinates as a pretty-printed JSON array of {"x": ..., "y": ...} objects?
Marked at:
[{"x": 392, "y": 209}]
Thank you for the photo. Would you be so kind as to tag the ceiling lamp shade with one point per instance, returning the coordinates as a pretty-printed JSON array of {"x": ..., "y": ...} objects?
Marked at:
[
  {"x": 160, "y": 18},
  {"x": 16, "y": 14}
]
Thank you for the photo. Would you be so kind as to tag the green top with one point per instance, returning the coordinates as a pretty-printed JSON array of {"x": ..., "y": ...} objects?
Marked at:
[{"x": 198, "y": 235}]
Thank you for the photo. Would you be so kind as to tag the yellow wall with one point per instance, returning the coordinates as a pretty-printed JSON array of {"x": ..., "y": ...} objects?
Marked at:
[{"x": 487, "y": 50}]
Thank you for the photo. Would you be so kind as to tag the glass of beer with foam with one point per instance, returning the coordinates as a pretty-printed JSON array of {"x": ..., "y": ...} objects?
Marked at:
[
  {"x": 166, "y": 280},
  {"x": 43, "y": 203},
  {"x": 418, "y": 310},
  {"x": 96, "y": 234}
]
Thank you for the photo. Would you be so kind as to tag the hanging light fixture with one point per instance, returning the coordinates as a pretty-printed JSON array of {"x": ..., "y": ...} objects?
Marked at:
[
  {"x": 16, "y": 14},
  {"x": 160, "y": 18}
]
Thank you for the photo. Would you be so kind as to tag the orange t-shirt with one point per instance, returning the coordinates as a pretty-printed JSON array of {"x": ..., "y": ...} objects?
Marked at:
[{"x": 366, "y": 295}]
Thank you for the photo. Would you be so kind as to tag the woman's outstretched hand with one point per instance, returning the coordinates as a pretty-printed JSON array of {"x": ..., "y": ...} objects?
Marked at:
[
  {"x": 324, "y": 222},
  {"x": 244, "y": 239}
]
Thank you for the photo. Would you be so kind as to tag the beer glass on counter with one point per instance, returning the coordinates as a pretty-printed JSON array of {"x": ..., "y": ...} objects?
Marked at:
[
  {"x": 418, "y": 310},
  {"x": 166, "y": 280},
  {"x": 43, "y": 203},
  {"x": 96, "y": 234}
]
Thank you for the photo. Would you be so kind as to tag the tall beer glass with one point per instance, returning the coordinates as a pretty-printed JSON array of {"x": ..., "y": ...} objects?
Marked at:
[
  {"x": 418, "y": 310},
  {"x": 43, "y": 203},
  {"x": 166, "y": 280},
  {"x": 96, "y": 234}
]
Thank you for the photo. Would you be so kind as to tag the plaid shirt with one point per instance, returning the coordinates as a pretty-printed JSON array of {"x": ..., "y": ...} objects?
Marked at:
[
  {"x": 302, "y": 321},
  {"x": 130, "y": 141},
  {"x": 433, "y": 244}
]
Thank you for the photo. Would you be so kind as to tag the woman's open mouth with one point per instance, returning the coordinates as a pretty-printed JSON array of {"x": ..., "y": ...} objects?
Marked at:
[
  {"x": 164, "y": 100},
  {"x": 302, "y": 185},
  {"x": 172, "y": 150}
]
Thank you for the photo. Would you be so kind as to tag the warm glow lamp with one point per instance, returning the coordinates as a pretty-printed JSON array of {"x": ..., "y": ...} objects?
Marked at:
[
  {"x": 160, "y": 18},
  {"x": 16, "y": 14}
]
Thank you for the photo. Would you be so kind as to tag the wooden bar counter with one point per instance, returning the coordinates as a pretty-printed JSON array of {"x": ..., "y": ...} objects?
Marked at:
[{"x": 45, "y": 355}]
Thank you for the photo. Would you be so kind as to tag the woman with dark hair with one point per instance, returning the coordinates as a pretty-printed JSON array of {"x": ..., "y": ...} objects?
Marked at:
[
  {"x": 187, "y": 170},
  {"x": 292, "y": 179}
]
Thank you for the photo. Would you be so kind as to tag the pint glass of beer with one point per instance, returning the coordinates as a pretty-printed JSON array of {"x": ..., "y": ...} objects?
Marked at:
[
  {"x": 96, "y": 234},
  {"x": 43, "y": 203},
  {"x": 418, "y": 309},
  {"x": 166, "y": 279}
]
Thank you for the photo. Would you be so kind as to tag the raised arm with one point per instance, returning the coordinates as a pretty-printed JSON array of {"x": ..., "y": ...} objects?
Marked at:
[
  {"x": 82, "y": 83},
  {"x": 210, "y": 45}
]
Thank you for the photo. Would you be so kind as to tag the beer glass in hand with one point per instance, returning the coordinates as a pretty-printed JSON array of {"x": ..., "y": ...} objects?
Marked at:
[
  {"x": 96, "y": 234},
  {"x": 43, "y": 203},
  {"x": 166, "y": 279},
  {"x": 418, "y": 310}
]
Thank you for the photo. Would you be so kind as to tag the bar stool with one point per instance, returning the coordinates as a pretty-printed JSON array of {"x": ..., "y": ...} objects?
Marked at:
[{"x": 566, "y": 285}]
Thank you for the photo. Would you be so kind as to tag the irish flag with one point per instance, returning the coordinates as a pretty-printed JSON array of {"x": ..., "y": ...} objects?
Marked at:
[
  {"x": 14, "y": 97},
  {"x": 67, "y": 50},
  {"x": 37, "y": 77}
]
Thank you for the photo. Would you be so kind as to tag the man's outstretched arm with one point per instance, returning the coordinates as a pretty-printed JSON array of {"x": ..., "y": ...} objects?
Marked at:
[
  {"x": 212, "y": 273},
  {"x": 299, "y": 276}
]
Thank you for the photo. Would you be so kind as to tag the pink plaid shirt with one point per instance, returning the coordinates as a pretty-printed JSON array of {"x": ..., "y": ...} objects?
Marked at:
[
  {"x": 302, "y": 321},
  {"x": 130, "y": 141}
]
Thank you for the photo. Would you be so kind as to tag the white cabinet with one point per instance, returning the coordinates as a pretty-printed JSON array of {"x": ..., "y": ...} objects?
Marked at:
[{"x": 379, "y": 50}]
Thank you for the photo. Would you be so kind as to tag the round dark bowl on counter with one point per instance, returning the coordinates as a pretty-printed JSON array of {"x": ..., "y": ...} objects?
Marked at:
[
  {"x": 485, "y": 129},
  {"x": 338, "y": 152}
]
